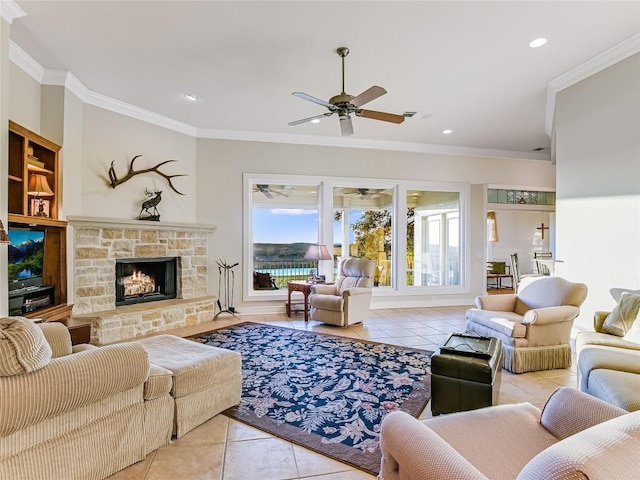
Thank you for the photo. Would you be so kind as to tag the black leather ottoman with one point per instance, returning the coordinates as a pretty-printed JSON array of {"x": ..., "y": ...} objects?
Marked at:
[{"x": 466, "y": 374}]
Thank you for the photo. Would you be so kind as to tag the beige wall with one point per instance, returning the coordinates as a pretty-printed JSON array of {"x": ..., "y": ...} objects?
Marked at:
[
  {"x": 221, "y": 164},
  {"x": 24, "y": 100},
  {"x": 108, "y": 136},
  {"x": 597, "y": 127}
]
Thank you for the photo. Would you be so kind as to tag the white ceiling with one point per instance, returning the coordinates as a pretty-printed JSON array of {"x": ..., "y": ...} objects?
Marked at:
[{"x": 464, "y": 66}]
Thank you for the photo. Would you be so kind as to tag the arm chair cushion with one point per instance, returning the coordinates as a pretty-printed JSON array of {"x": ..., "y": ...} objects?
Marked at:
[
  {"x": 598, "y": 321},
  {"x": 333, "y": 303},
  {"x": 538, "y": 292},
  {"x": 569, "y": 411},
  {"x": 497, "y": 303},
  {"x": 324, "y": 289},
  {"x": 412, "y": 451},
  {"x": 23, "y": 347},
  {"x": 607, "y": 450},
  {"x": 542, "y": 316},
  {"x": 58, "y": 337},
  {"x": 70, "y": 382}
]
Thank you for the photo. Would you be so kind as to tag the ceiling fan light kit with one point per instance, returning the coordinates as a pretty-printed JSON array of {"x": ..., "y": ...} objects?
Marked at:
[{"x": 344, "y": 104}]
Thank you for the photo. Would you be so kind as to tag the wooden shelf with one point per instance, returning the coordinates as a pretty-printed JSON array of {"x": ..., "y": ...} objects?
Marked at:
[
  {"x": 29, "y": 220},
  {"x": 26, "y": 148}
]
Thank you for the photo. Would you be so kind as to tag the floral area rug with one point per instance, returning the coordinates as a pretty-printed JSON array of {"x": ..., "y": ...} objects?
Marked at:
[{"x": 324, "y": 392}]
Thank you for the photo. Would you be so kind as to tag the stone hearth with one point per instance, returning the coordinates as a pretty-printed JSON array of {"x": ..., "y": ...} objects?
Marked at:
[{"x": 97, "y": 243}]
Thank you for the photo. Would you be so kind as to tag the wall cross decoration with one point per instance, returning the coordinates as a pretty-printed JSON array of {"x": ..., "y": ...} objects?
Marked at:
[{"x": 542, "y": 228}]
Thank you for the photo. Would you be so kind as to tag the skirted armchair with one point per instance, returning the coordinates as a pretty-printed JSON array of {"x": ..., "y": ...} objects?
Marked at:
[
  {"x": 347, "y": 301},
  {"x": 534, "y": 324}
]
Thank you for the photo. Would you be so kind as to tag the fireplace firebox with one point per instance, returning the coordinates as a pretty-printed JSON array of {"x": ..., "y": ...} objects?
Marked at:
[{"x": 140, "y": 280}]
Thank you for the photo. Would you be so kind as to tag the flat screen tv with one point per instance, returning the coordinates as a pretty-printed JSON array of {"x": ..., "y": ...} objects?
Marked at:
[{"x": 26, "y": 256}]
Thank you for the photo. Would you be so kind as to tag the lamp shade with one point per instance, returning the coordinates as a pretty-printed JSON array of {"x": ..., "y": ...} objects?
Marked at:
[
  {"x": 318, "y": 252},
  {"x": 4, "y": 238},
  {"x": 38, "y": 186}
]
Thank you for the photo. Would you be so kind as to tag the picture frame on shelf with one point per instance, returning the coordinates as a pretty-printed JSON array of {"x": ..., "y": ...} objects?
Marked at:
[{"x": 39, "y": 207}]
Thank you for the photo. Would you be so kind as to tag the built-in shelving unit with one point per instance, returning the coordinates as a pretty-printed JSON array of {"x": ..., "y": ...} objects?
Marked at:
[{"x": 34, "y": 201}]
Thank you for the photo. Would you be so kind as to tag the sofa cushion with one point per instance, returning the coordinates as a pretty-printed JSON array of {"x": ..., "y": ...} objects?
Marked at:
[
  {"x": 507, "y": 323},
  {"x": 623, "y": 315},
  {"x": 607, "y": 450},
  {"x": 615, "y": 387},
  {"x": 23, "y": 347}
]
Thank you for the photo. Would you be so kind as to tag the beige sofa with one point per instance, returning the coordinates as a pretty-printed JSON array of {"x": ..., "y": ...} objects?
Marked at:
[
  {"x": 609, "y": 366},
  {"x": 575, "y": 436},
  {"x": 76, "y": 413}
]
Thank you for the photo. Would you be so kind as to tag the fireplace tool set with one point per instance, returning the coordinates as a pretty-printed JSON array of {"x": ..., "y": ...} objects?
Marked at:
[{"x": 228, "y": 277}]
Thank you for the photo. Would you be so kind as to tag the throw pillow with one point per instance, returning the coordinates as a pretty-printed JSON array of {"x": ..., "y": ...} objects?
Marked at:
[
  {"x": 633, "y": 335},
  {"x": 616, "y": 293},
  {"x": 23, "y": 347},
  {"x": 622, "y": 317},
  {"x": 263, "y": 280}
]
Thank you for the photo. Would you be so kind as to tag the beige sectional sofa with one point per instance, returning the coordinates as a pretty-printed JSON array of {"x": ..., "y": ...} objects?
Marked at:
[
  {"x": 609, "y": 365},
  {"x": 76, "y": 414}
]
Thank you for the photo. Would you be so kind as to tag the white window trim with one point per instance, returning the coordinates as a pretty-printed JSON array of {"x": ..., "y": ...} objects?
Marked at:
[{"x": 325, "y": 185}]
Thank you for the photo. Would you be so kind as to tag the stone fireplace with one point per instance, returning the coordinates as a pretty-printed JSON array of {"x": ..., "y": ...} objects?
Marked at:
[{"x": 102, "y": 246}]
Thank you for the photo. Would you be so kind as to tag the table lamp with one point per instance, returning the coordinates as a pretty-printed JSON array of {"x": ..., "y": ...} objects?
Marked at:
[{"x": 317, "y": 252}]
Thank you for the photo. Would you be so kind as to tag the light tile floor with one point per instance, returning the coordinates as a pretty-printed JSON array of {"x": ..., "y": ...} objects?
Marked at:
[{"x": 224, "y": 449}]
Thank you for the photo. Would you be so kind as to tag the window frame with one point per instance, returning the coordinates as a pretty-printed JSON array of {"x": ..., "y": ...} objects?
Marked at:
[{"x": 325, "y": 186}]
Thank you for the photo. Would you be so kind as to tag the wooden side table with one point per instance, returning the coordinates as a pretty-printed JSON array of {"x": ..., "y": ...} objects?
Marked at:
[
  {"x": 305, "y": 289},
  {"x": 80, "y": 330}
]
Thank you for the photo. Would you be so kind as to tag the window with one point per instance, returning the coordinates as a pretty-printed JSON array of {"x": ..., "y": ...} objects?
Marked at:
[
  {"x": 284, "y": 222},
  {"x": 433, "y": 238},
  {"x": 421, "y": 250},
  {"x": 363, "y": 219}
]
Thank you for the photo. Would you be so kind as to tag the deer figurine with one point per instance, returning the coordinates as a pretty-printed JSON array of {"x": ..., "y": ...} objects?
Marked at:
[{"x": 152, "y": 203}]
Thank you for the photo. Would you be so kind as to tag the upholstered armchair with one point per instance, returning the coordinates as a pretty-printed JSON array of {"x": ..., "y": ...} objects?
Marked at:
[
  {"x": 346, "y": 301},
  {"x": 575, "y": 436},
  {"x": 534, "y": 324}
]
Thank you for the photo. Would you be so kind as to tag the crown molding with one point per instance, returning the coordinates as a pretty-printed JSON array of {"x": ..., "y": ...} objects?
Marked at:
[
  {"x": 607, "y": 58},
  {"x": 69, "y": 81},
  {"x": 9, "y": 10},
  {"x": 25, "y": 61},
  {"x": 343, "y": 142}
]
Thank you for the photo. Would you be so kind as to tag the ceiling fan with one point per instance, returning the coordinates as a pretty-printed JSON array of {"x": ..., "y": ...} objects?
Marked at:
[
  {"x": 344, "y": 104},
  {"x": 366, "y": 193},
  {"x": 268, "y": 192}
]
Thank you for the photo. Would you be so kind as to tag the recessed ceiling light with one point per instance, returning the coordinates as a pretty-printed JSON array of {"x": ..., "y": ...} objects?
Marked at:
[
  {"x": 315, "y": 120},
  {"x": 192, "y": 97},
  {"x": 538, "y": 42},
  {"x": 447, "y": 131}
]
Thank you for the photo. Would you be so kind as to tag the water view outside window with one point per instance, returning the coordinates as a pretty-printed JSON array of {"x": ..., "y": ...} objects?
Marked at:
[
  {"x": 433, "y": 238},
  {"x": 363, "y": 227},
  {"x": 284, "y": 224}
]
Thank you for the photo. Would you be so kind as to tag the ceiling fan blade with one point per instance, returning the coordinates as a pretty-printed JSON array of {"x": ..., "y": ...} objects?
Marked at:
[
  {"x": 346, "y": 127},
  {"x": 304, "y": 96},
  {"x": 368, "y": 95},
  {"x": 385, "y": 117},
  {"x": 305, "y": 120}
]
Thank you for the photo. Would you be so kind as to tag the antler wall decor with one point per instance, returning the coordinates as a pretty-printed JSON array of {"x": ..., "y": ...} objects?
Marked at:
[{"x": 115, "y": 181}]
